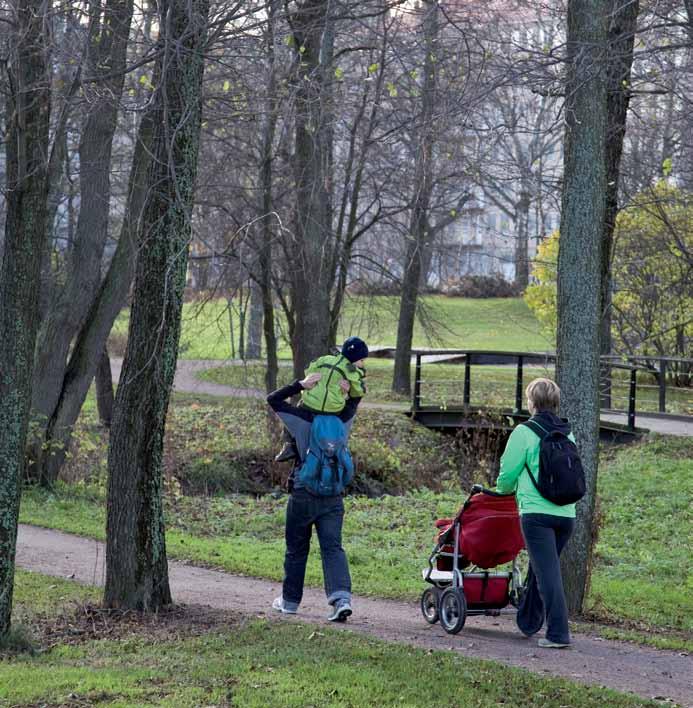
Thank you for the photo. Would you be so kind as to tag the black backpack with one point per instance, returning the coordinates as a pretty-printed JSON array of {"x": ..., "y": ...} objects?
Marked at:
[{"x": 561, "y": 477}]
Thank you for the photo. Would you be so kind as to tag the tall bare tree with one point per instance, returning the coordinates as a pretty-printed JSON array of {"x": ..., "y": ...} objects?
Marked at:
[
  {"x": 20, "y": 273},
  {"x": 313, "y": 43},
  {"x": 136, "y": 563},
  {"x": 422, "y": 185}
]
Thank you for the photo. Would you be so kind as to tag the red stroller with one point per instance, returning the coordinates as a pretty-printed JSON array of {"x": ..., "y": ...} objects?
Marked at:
[{"x": 484, "y": 534}]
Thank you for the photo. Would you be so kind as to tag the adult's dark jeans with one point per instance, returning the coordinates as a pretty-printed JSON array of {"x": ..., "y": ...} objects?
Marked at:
[
  {"x": 545, "y": 537},
  {"x": 304, "y": 511}
]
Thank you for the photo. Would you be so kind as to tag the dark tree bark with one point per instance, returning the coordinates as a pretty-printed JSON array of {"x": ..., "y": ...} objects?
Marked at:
[
  {"x": 104, "y": 389},
  {"x": 265, "y": 249},
  {"x": 106, "y": 71},
  {"x": 136, "y": 563},
  {"x": 622, "y": 26},
  {"x": 419, "y": 224},
  {"x": 111, "y": 297},
  {"x": 253, "y": 348},
  {"x": 579, "y": 264},
  {"x": 20, "y": 272},
  {"x": 522, "y": 238},
  {"x": 312, "y": 160}
]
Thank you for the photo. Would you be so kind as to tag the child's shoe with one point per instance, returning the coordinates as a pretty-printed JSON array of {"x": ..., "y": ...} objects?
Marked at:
[{"x": 288, "y": 452}]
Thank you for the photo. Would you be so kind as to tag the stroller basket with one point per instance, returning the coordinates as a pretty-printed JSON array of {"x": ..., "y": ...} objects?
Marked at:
[{"x": 485, "y": 533}]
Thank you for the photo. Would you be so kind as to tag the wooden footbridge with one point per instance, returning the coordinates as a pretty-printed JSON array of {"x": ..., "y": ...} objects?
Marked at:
[{"x": 637, "y": 393}]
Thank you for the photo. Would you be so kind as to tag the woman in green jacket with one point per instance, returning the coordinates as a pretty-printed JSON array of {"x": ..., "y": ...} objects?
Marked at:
[{"x": 546, "y": 526}]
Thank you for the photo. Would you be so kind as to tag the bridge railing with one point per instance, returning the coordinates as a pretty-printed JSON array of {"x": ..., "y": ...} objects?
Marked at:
[
  {"x": 671, "y": 375},
  {"x": 616, "y": 374}
]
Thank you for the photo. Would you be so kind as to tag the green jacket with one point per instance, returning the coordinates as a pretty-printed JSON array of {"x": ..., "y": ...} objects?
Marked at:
[
  {"x": 327, "y": 396},
  {"x": 523, "y": 448}
]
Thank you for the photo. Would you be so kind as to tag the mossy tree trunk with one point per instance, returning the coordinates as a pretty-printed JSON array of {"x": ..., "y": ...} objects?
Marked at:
[
  {"x": 20, "y": 273},
  {"x": 579, "y": 264},
  {"x": 106, "y": 64},
  {"x": 136, "y": 563},
  {"x": 422, "y": 186}
]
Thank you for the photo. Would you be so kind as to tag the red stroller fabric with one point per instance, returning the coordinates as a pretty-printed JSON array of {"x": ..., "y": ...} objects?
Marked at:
[{"x": 490, "y": 533}]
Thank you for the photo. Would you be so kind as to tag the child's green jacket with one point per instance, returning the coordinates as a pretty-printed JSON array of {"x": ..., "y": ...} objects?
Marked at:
[{"x": 327, "y": 396}]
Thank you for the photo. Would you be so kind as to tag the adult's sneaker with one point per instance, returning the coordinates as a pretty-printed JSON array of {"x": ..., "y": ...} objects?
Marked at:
[
  {"x": 288, "y": 452},
  {"x": 340, "y": 611},
  {"x": 548, "y": 644},
  {"x": 279, "y": 606}
]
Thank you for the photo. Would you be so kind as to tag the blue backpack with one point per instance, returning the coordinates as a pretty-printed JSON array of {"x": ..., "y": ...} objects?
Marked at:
[{"x": 328, "y": 467}]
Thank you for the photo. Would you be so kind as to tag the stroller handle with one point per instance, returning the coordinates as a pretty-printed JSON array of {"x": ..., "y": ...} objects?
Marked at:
[{"x": 480, "y": 489}]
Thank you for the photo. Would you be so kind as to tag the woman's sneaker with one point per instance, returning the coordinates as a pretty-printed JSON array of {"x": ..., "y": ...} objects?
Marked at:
[
  {"x": 340, "y": 611},
  {"x": 278, "y": 605},
  {"x": 548, "y": 644}
]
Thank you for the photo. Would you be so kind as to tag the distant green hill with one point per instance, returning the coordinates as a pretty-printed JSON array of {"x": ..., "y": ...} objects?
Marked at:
[{"x": 502, "y": 323}]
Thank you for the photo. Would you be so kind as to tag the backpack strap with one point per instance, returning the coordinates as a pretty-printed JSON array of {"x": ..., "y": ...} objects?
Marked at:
[
  {"x": 532, "y": 424},
  {"x": 541, "y": 431}
]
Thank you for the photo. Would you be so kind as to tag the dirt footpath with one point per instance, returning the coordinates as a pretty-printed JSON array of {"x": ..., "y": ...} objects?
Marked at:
[{"x": 646, "y": 672}]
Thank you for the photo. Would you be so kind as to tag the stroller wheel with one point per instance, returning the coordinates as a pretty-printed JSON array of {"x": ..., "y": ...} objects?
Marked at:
[
  {"x": 429, "y": 605},
  {"x": 453, "y": 610}
]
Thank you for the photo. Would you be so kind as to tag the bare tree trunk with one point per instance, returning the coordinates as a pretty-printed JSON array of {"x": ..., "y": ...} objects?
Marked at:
[
  {"x": 622, "y": 25},
  {"x": 253, "y": 349},
  {"x": 104, "y": 389},
  {"x": 419, "y": 224},
  {"x": 92, "y": 338},
  {"x": 311, "y": 286},
  {"x": 106, "y": 59},
  {"x": 522, "y": 238},
  {"x": 20, "y": 272},
  {"x": 579, "y": 264},
  {"x": 136, "y": 563},
  {"x": 265, "y": 250}
]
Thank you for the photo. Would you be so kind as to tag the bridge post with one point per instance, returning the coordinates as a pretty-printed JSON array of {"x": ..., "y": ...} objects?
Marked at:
[
  {"x": 467, "y": 378},
  {"x": 631, "y": 399},
  {"x": 662, "y": 386},
  {"x": 518, "y": 386},
  {"x": 416, "y": 403}
]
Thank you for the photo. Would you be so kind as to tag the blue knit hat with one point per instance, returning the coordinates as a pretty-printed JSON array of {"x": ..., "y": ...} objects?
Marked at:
[{"x": 354, "y": 349}]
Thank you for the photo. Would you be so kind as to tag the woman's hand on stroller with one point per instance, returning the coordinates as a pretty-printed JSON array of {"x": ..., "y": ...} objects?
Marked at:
[{"x": 480, "y": 489}]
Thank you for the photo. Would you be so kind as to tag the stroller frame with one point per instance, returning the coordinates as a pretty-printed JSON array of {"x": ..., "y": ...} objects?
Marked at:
[{"x": 445, "y": 600}]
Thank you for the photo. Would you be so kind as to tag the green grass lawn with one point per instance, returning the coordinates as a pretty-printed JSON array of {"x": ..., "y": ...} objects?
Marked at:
[
  {"x": 642, "y": 571},
  {"x": 260, "y": 663},
  {"x": 498, "y": 323}
]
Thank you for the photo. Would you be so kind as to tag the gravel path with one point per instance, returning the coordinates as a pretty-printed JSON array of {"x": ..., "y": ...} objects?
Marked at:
[{"x": 646, "y": 672}]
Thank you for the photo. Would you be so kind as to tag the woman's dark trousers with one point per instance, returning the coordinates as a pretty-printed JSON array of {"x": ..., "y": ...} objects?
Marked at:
[
  {"x": 545, "y": 537},
  {"x": 304, "y": 511}
]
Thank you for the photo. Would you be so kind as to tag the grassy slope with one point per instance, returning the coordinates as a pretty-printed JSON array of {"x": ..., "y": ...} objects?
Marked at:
[
  {"x": 642, "y": 570},
  {"x": 505, "y": 324},
  {"x": 262, "y": 663}
]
